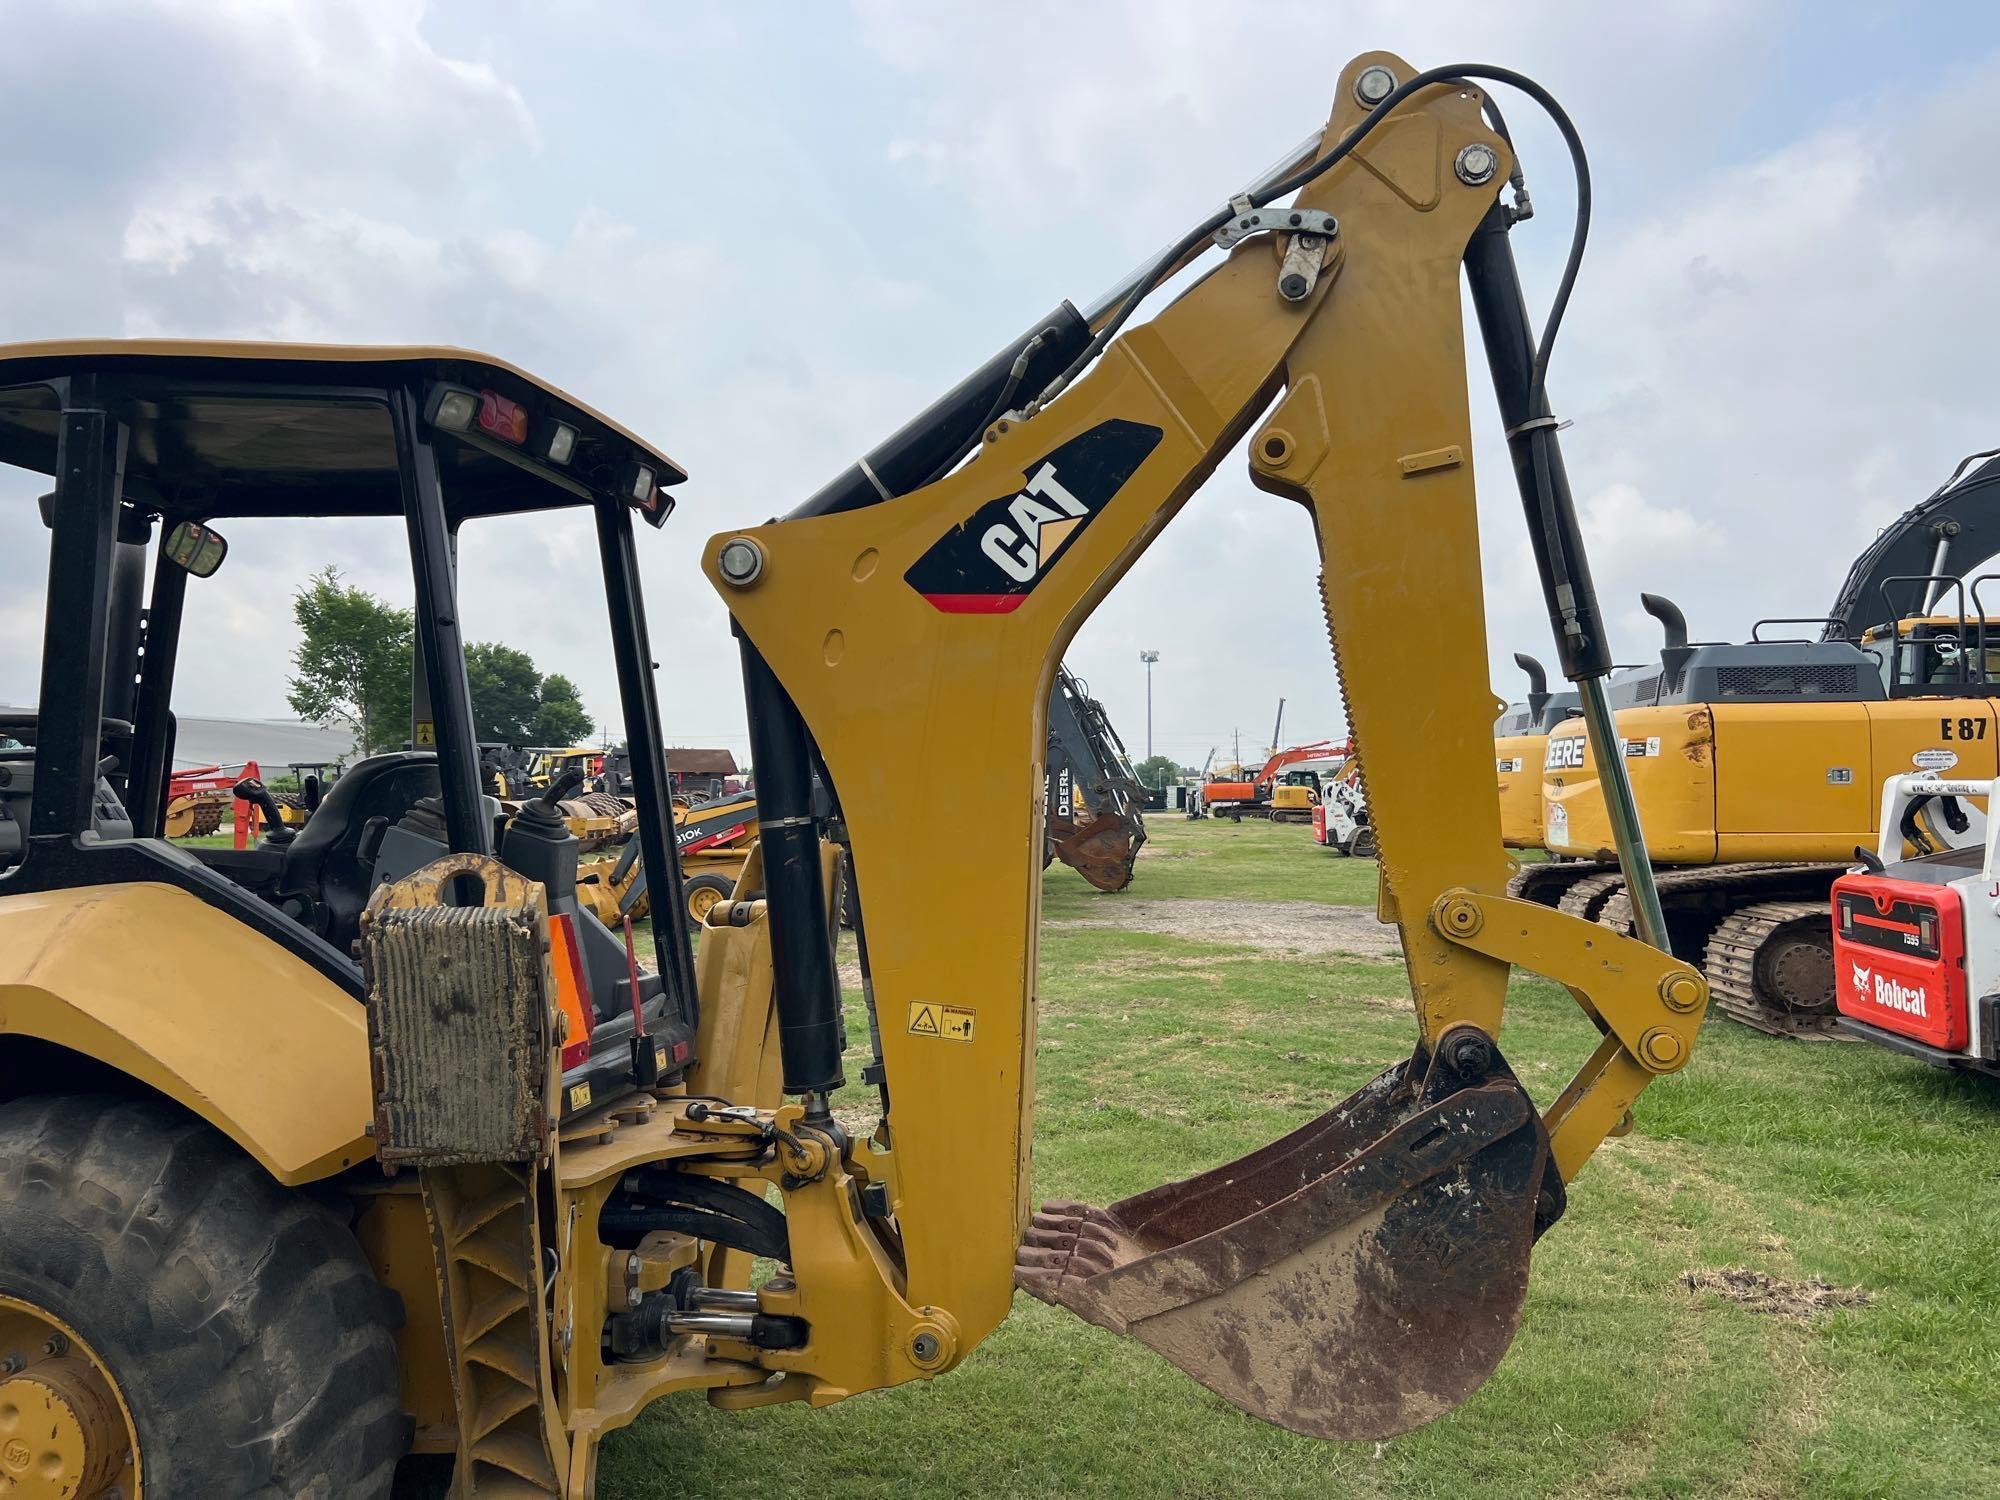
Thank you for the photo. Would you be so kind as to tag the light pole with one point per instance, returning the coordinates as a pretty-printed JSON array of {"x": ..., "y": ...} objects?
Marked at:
[{"x": 1149, "y": 657}]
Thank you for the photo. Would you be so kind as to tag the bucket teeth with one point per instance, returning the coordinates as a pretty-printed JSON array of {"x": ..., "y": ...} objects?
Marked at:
[{"x": 1069, "y": 1242}]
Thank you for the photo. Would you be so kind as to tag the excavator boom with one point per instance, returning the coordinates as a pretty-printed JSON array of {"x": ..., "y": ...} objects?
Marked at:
[
  {"x": 1367, "y": 1272},
  {"x": 1096, "y": 804}
]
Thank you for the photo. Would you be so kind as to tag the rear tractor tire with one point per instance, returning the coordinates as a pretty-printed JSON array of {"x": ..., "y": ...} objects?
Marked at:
[
  {"x": 702, "y": 893},
  {"x": 172, "y": 1319}
]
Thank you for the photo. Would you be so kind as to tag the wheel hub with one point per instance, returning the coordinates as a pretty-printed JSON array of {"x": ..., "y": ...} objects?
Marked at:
[{"x": 65, "y": 1433}]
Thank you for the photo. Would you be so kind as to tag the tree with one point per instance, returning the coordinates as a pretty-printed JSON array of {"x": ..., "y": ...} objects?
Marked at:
[
  {"x": 353, "y": 662},
  {"x": 562, "y": 719},
  {"x": 514, "y": 703},
  {"x": 506, "y": 693},
  {"x": 1157, "y": 770}
]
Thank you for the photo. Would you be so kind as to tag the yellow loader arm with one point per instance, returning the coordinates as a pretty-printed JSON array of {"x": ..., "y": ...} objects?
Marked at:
[{"x": 1367, "y": 1272}]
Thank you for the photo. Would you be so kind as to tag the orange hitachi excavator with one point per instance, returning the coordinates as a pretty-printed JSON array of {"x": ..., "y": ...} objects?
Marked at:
[{"x": 1265, "y": 795}]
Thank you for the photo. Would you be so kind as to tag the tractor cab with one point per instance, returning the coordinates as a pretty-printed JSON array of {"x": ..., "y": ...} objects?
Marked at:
[{"x": 152, "y": 450}]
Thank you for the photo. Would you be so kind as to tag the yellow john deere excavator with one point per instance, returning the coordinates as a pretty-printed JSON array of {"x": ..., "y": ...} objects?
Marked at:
[
  {"x": 1759, "y": 764},
  {"x": 225, "y": 1139}
]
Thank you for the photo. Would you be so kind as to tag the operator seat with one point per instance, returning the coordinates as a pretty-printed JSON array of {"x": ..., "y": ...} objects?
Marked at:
[{"x": 332, "y": 859}]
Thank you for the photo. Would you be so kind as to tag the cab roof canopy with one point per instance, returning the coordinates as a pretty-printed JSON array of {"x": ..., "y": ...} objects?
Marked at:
[{"x": 248, "y": 429}]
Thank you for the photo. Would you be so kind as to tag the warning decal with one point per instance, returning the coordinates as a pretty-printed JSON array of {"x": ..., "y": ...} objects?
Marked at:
[{"x": 953, "y": 1022}]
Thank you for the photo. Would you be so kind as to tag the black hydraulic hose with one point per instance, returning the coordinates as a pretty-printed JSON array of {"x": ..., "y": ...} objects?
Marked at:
[
  {"x": 624, "y": 1224},
  {"x": 1015, "y": 374},
  {"x": 1453, "y": 73},
  {"x": 657, "y": 1188}
]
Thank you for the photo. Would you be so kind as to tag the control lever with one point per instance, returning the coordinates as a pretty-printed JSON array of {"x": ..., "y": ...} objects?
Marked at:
[
  {"x": 561, "y": 786},
  {"x": 250, "y": 789}
]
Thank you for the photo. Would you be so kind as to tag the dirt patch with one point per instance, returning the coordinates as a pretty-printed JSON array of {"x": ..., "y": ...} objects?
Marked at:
[
  {"x": 1269, "y": 926},
  {"x": 1800, "y": 1301}
]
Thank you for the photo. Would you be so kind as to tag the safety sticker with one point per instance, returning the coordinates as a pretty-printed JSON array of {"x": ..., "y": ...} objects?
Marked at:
[
  {"x": 1641, "y": 749},
  {"x": 953, "y": 1022},
  {"x": 426, "y": 733},
  {"x": 579, "y": 1096},
  {"x": 1509, "y": 763}
]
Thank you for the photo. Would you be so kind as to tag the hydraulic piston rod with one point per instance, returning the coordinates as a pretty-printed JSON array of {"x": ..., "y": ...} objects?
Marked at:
[{"x": 1581, "y": 645}]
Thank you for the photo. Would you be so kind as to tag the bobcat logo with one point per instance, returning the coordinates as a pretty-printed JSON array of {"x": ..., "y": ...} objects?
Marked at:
[{"x": 1864, "y": 977}]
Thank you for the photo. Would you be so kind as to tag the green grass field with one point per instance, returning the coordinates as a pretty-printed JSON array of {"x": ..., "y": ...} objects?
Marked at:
[{"x": 1163, "y": 1054}]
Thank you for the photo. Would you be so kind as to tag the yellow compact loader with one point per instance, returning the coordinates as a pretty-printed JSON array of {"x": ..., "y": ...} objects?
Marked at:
[{"x": 371, "y": 1138}]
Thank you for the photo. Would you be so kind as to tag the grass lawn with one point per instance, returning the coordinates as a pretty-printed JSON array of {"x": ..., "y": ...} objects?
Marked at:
[{"x": 1160, "y": 1055}]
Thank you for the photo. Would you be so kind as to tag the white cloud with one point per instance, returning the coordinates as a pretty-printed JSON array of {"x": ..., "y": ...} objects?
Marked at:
[{"x": 1772, "y": 352}]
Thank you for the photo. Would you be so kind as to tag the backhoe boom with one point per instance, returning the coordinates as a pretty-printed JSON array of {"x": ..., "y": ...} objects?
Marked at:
[{"x": 917, "y": 637}]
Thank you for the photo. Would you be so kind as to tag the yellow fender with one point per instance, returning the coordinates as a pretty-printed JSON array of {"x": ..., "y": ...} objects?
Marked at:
[{"x": 182, "y": 997}]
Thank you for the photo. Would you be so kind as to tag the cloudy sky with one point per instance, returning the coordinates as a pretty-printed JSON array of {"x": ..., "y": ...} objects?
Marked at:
[{"x": 764, "y": 234}]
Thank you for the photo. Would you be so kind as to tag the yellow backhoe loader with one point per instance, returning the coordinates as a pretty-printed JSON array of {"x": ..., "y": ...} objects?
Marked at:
[
  {"x": 272, "y": 1216},
  {"x": 714, "y": 839}
]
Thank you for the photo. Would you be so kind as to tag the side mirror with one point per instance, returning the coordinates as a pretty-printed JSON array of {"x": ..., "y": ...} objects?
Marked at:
[{"x": 197, "y": 548}]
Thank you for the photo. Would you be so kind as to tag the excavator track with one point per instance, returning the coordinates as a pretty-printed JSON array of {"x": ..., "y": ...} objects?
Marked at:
[
  {"x": 1545, "y": 883},
  {"x": 1764, "y": 965},
  {"x": 1586, "y": 898},
  {"x": 1770, "y": 966},
  {"x": 1682, "y": 884}
]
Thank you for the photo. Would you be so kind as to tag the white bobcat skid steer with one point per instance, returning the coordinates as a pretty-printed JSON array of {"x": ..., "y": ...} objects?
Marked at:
[{"x": 1916, "y": 939}]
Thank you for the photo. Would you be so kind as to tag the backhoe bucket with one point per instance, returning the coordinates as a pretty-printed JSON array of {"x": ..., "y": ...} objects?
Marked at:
[
  {"x": 1103, "y": 851},
  {"x": 1353, "y": 1280}
]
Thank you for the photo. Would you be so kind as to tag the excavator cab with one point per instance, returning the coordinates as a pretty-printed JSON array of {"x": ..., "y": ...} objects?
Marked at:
[{"x": 1939, "y": 653}]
